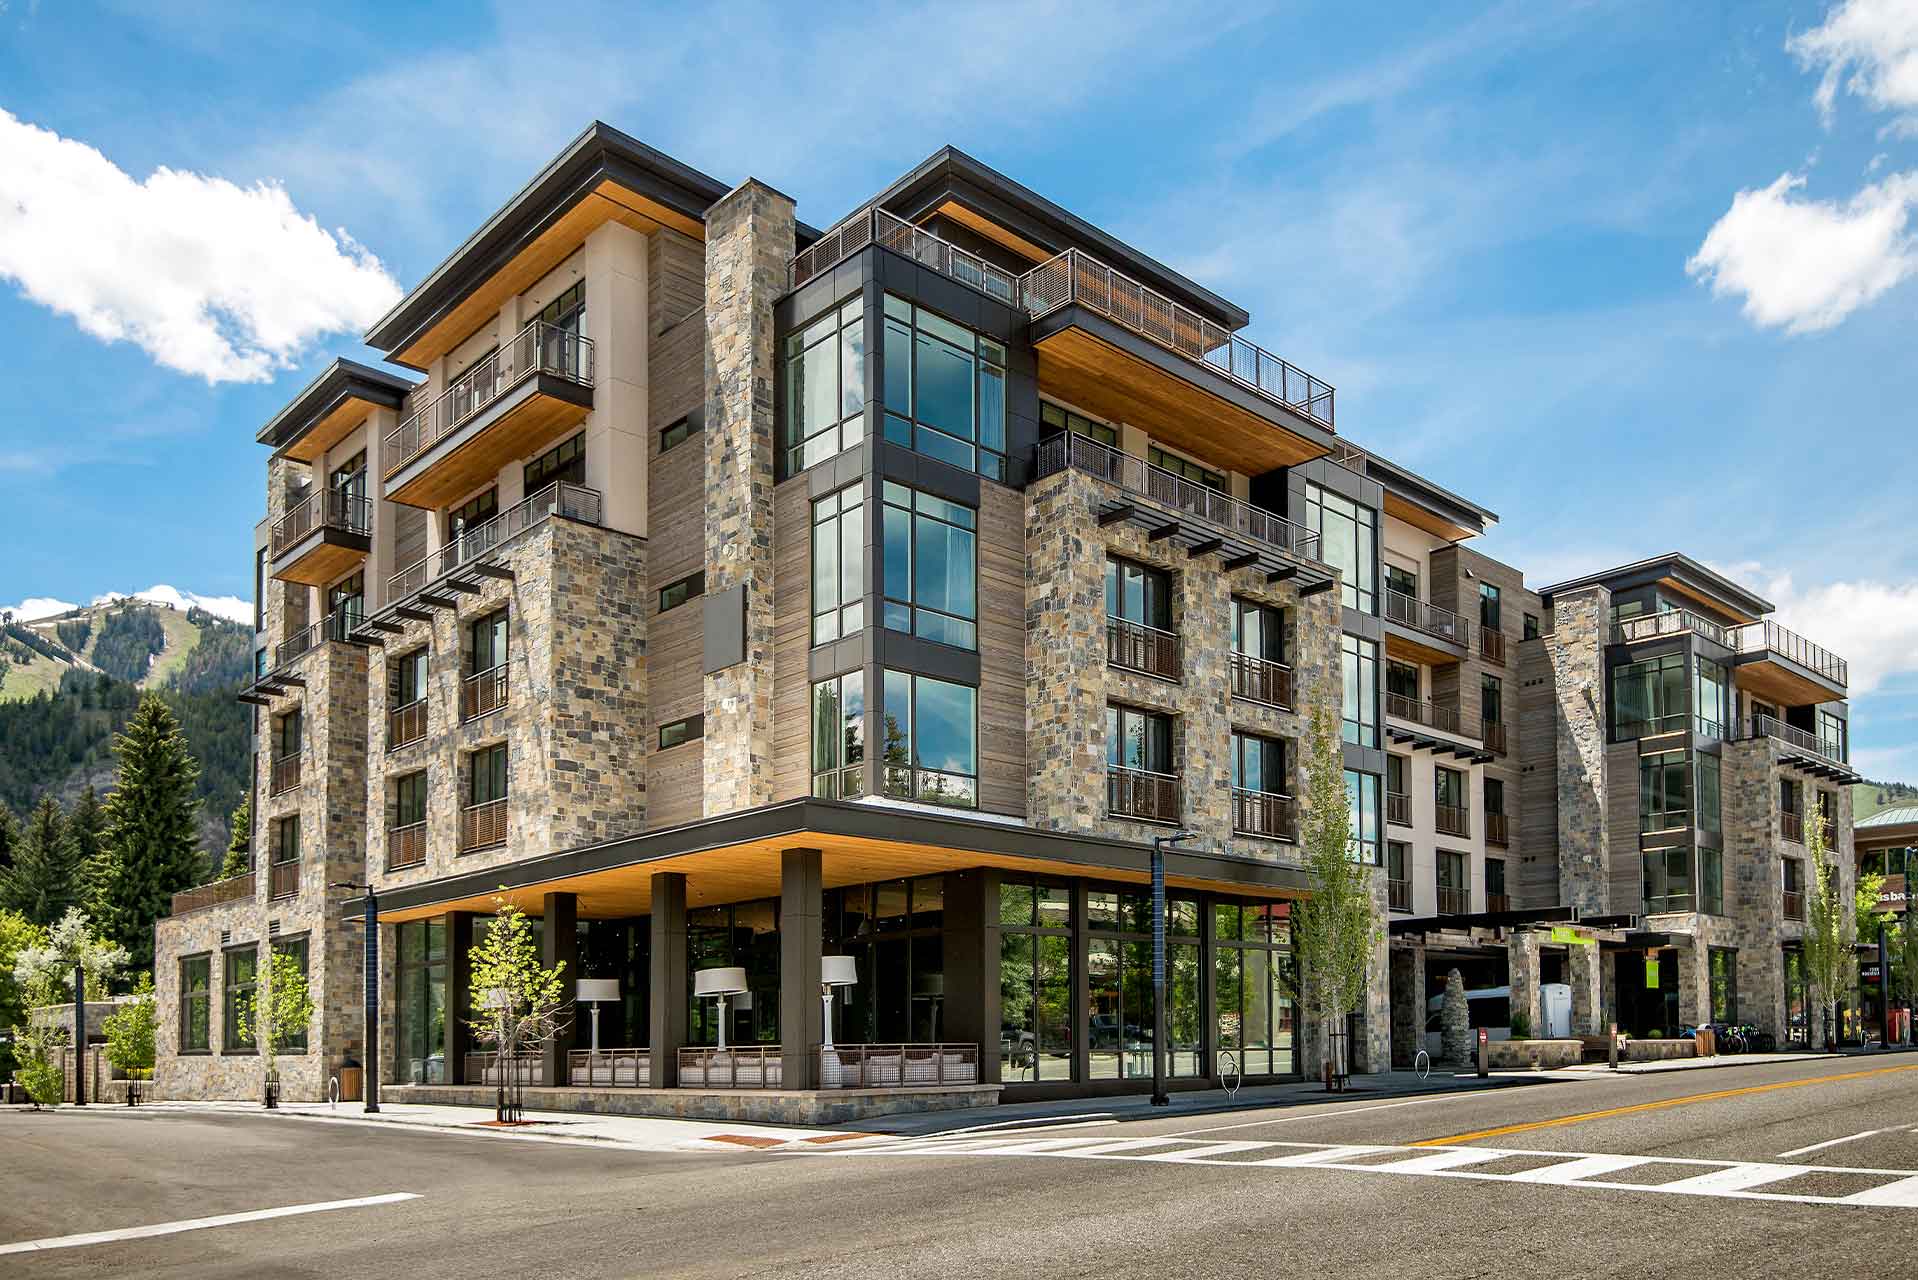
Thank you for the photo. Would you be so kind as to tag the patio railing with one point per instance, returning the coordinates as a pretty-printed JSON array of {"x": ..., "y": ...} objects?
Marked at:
[
  {"x": 1138, "y": 647},
  {"x": 609, "y": 1069},
  {"x": 499, "y": 1068},
  {"x": 1261, "y": 680},
  {"x": 1140, "y": 793},
  {"x": 753, "y": 1066},
  {"x": 896, "y": 1066},
  {"x": 538, "y": 348}
]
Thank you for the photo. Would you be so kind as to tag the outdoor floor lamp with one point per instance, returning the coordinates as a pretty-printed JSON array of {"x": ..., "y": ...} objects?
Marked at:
[
  {"x": 834, "y": 971},
  {"x": 595, "y": 992},
  {"x": 718, "y": 984}
]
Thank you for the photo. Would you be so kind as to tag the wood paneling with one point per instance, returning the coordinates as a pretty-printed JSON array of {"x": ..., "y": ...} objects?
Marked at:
[
  {"x": 1711, "y": 606},
  {"x": 342, "y": 421},
  {"x": 993, "y": 231},
  {"x": 1409, "y": 649},
  {"x": 792, "y": 639},
  {"x": 1103, "y": 380},
  {"x": 1436, "y": 525},
  {"x": 1625, "y": 872},
  {"x": 1002, "y": 650},
  {"x": 524, "y": 429},
  {"x": 1537, "y": 790},
  {"x": 317, "y": 561},
  {"x": 1778, "y": 684}
]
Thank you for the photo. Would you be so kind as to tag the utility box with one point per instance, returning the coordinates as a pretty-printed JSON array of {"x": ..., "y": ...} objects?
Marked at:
[{"x": 1555, "y": 1011}]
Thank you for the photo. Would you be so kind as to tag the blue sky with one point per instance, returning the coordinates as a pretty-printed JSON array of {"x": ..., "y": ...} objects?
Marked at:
[{"x": 1475, "y": 220}]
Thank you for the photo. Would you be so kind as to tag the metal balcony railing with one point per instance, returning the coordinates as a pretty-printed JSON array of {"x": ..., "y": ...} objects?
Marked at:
[
  {"x": 1792, "y": 826},
  {"x": 1498, "y": 902},
  {"x": 752, "y": 1066},
  {"x": 1491, "y": 644},
  {"x": 1137, "y": 647},
  {"x": 1398, "y": 895},
  {"x": 1410, "y": 611},
  {"x": 232, "y": 889},
  {"x": 405, "y": 846},
  {"x": 1496, "y": 831},
  {"x": 284, "y": 775},
  {"x": 1398, "y": 808},
  {"x": 1264, "y": 813},
  {"x": 1794, "y": 904},
  {"x": 538, "y": 348},
  {"x": 873, "y": 225},
  {"x": 1074, "y": 277},
  {"x": 897, "y": 1066},
  {"x": 1759, "y": 637},
  {"x": 573, "y": 501},
  {"x": 1139, "y": 478},
  {"x": 1431, "y": 714},
  {"x": 609, "y": 1068},
  {"x": 1454, "y": 901},
  {"x": 1453, "y": 820},
  {"x": 483, "y": 693},
  {"x": 1493, "y": 732},
  {"x": 342, "y": 508},
  {"x": 1666, "y": 622},
  {"x": 483, "y": 825},
  {"x": 406, "y": 724},
  {"x": 1141, "y": 793},
  {"x": 334, "y": 626},
  {"x": 1762, "y": 726},
  {"x": 1262, "y": 680},
  {"x": 284, "y": 879}
]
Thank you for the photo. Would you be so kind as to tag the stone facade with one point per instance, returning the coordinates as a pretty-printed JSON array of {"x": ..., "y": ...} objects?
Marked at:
[{"x": 1575, "y": 651}]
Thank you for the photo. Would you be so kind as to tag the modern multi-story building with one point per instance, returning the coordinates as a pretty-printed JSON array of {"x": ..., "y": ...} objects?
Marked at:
[{"x": 728, "y": 595}]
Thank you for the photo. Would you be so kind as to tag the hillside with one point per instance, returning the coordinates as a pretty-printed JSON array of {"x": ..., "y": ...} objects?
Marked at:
[
  {"x": 139, "y": 642},
  {"x": 1868, "y": 798}
]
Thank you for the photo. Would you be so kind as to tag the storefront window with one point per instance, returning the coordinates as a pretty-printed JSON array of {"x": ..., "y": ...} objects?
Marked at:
[
  {"x": 1119, "y": 1030},
  {"x": 1035, "y": 983},
  {"x": 420, "y": 1015},
  {"x": 745, "y": 935},
  {"x": 1251, "y": 962},
  {"x": 894, "y": 932},
  {"x": 1724, "y": 964}
]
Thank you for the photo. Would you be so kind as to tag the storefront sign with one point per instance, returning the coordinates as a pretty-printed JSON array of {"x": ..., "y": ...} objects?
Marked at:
[
  {"x": 1570, "y": 937},
  {"x": 1892, "y": 895},
  {"x": 1651, "y": 973}
]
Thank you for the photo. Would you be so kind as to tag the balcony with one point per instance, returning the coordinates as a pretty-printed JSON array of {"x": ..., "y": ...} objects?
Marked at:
[
  {"x": 873, "y": 225},
  {"x": 284, "y": 774},
  {"x": 1792, "y": 826},
  {"x": 1398, "y": 808},
  {"x": 1491, "y": 645},
  {"x": 1142, "y": 794},
  {"x": 406, "y": 724},
  {"x": 483, "y": 825},
  {"x": 322, "y": 537},
  {"x": 1398, "y": 895},
  {"x": 1432, "y": 715},
  {"x": 1137, "y": 647},
  {"x": 1174, "y": 509},
  {"x": 1453, "y": 820},
  {"x": 1666, "y": 622},
  {"x": 512, "y": 405},
  {"x": 1794, "y": 904},
  {"x": 1783, "y": 667},
  {"x": 335, "y": 626},
  {"x": 1496, "y": 831},
  {"x": 483, "y": 693},
  {"x": 1494, "y": 734},
  {"x": 1412, "y": 624},
  {"x": 1264, "y": 813},
  {"x": 1498, "y": 902},
  {"x": 232, "y": 889},
  {"x": 1814, "y": 750},
  {"x": 405, "y": 846},
  {"x": 574, "y": 502},
  {"x": 1260, "y": 680},
  {"x": 1453, "y": 901},
  {"x": 284, "y": 879}
]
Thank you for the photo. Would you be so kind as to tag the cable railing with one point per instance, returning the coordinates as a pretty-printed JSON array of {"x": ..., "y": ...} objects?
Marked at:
[
  {"x": 1261, "y": 680},
  {"x": 574, "y": 501},
  {"x": 1264, "y": 813},
  {"x": 1137, "y": 647},
  {"x": 1074, "y": 277},
  {"x": 1140, "y": 478},
  {"x": 335, "y": 508},
  {"x": 1421, "y": 615},
  {"x": 1760, "y": 637},
  {"x": 538, "y": 348},
  {"x": 1141, "y": 793}
]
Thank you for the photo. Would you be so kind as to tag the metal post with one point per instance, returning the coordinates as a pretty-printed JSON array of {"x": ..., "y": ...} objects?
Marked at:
[
  {"x": 1159, "y": 843},
  {"x": 79, "y": 1035},
  {"x": 1613, "y": 1053},
  {"x": 1884, "y": 987},
  {"x": 370, "y": 1079}
]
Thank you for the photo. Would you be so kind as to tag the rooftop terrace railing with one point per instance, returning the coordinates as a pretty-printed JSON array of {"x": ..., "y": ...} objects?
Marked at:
[
  {"x": 1666, "y": 622},
  {"x": 1757, "y": 637},
  {"x": 873, "y": 225},
  {"x": 538, "y": 348}
]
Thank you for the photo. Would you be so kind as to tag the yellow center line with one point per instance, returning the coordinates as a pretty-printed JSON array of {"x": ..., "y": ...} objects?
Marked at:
[{"x": 1636, "y": 1108}]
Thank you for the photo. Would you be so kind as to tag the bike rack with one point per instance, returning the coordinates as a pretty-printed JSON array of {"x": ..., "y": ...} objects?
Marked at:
[{"x": 1229, "y": 1058}]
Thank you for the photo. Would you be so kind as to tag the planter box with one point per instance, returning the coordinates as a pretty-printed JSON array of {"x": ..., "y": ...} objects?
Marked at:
[
  {"x": 1539, "y": 1055},
  {"x": 1657, "y": 1050}
]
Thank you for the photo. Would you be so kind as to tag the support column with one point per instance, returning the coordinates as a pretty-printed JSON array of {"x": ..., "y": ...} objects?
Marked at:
[
  {"x": 459, "y": 997},
  {"x": 559, "y": 944},
  {"x": 1694, "y": 982},
  {"x": 1522, "y": 970},
  {"x": 666, "y": 1001},
  {"x": 801, "y": 1016},
  {"x": 1582, "y": 969},
  {"x": 1408, "y": 1004},
  {"x": 972, "y": 982}
]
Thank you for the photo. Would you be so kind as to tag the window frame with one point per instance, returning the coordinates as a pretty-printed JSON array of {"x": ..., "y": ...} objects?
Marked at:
[
  {"x": 504, "y": 772},
  {"x": 283, "y": 945},
  {"x": 690, "y": 729},
  {"x": 568, "y": 470},
  {"x": 804, "y": 444},
  {"x": 912, "y": 760},
  {"x": 1359, "y": 588},
  {"x": 231, "y": 993},
  {"x": 681, "y": 591},
  {"x": 901, "y": 402},
  {"x": 677, "y": 432},
  {"x": 1364, "y": 657},
  {"x": 903, "y": 507},
  {"x": 848, "y": 736},
  {"x": 189, "y": 998}
]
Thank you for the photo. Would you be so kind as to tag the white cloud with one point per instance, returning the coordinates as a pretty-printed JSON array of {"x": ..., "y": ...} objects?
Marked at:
[
  {"x": 1803, "y": 265},
  {"x": 219, "y": 281},
  {"x": 36, "y": 607},
  {"x": 232, "y": 608},
  {"x": 1878, "y": 41},
  {"x": 1872, "y": 625}
]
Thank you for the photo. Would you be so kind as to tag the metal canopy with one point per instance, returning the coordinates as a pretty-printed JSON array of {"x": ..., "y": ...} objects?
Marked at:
[{"x": 1199, "y": 537}]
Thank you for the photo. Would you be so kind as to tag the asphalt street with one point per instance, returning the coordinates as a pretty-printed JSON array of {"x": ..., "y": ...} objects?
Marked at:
[{"x": 1800, "y": 1169}]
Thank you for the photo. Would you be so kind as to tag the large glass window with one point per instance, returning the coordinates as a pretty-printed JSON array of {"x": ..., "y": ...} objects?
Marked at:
[
  {"x": 1709, "y": 815},
  {"x": 407, "y": 682},
  {"x": 839, "y": 737},
  {"x": 1348, "y": 541},
  {"x": 1405, "y": 582},
  {"x": 1668, "y": 879},
  {"x": 839, "y": 564},
  {"x": 1454, "y": 883},
  {"x": 1362, "y": 795},
  {"x": 745, "y": 934},
  {"x": 1711, "y": 881},
  {"x": 564, "y": 463},
  {"x": 1402, "y": 686},
  {"x": 409, "y": 799},
  {"x": 196, "y": 999},
  {"x": 1035, "y": 982},
  {"x": 893, "y": 930},
  {"x": 1360, "y": 661},
  {"x": 1251, "y": 962},
  {"x": 1724, "y": 965},
  {"x": 932, "y": 740},
  {"x": 945, "y": 389},
  {"x": 239, "y": 976},
  {"x": 1258, "y": 630},
  {"x": 1714, "y": 699},
  {"x": 1649, "y": 697},
  {"x": 1491, "y": 699},
  {"x": 486, "y": 774},
  {"x": 1258, "y": 764},
  {"x": 931, "y": 567},
  {"x": 486, "y": 642},
  {"x": 1119, "y": 1029},
  {"x": 1488, "y": 606},
  {"x": 421, "y": 1014},
  {"x": 474, "y": 511},
  {"x": 568, "y": 311},
  {"x": 825, "y": 387},
  {"x": 1139, "y": 593},
  {"x": 1664, "y": 791},
  {"x": 292, "y": 1040},
  {"x": 1832, "y": 735}
]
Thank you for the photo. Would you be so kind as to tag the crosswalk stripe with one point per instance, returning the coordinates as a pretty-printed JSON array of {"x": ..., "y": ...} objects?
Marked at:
[
  {"x": 1325, "y": 1155},
  {"x": 1205, "y": 1151},
  {"x": 1903, "y": 1193},
  {"x": 1736, "y": 1178},
  {"x": 1439, "y": 1160},
  {"x": 1045, "y": 1146},
  {"x": 1573, "y": 1170}
]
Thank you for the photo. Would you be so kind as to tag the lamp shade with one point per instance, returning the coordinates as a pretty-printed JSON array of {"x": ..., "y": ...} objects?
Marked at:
[
  {"x": 595, "y": 990},
  {"x": 719, "y": 982},
  {"x": 838, "y": 971}
]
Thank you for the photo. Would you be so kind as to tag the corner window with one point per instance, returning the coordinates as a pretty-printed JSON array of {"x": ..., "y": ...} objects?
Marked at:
[
  {"x": 679, "y": 732},
  {"x": 1649, "y": 697},
  {"x": 1709, "y": 816},
  {"x": 565, "y": 463},
  {"x": 239, "y": 976},
  {"x": 931, "y": 567},
  {"x": 1664, "y": 792},
  {"x": 1713, "y": 699},
  {"x": 932, "y": 740},
  {"x": 1359, "y": 660},
  {"x": 825, "y": 387},
  {"x": 839, "y": 737},
  {"x": 196, "y": 1007},
  {"x": 1348, "y": 541},
  {"x": 1667, "y": 876},
  {"x": 1362, "y": 795},
  {"x": 945, "y": 389},
  {"x": 674, "y": 594}
]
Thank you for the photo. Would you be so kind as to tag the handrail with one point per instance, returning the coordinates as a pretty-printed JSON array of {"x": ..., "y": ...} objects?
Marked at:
[
  {"x": 232, "y": 889},
  {"x": 1453, "y": 819},
  {"x": 1136, "y": 476},
  {"x": 334, "y": 626},
  {"x": 1420, "y": 711},
  {"x": 1398, "y": 895},
  {"x": 1075, "y": 277},
  {"x": 1497, "y": 830},
  {"x": 483, "y": 825},
  {"x": 1759, "y": 637},
  {"x": 1142, "y": 793},
  {"x": 1454, "y": 900},
  {"x": 1398, "y": 808},
  {"x": 406, "y": 846},
  {"x": 1264, "y": 813},
  {"x": 538, "y": 348},
  {"x": 285, "y": 773},
  {"x": 284, "y": 881},
  {"x": 1262, "y": 680},
  {"x": 1764, "y": 726},
  {"x": 483, "y": 692},
  {"x": 573, "y": 501},
  {"x": 1422, "y": 615},
  {"x": 873, "y": 225},
  {"x": 406, "y": 724},
  {"x": 1138, "y": 647},
  {"x": 1666, "y": 622}
]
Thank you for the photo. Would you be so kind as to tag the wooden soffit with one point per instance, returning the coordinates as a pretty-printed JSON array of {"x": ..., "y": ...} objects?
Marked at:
[
  {"x": 993, "y": 231},
  {"x": 339, "y": 422},
  {"x": 1778, "y": 683},
  {"x": 1430, "y": 521},
  {"x": 1717, "y": 608}
]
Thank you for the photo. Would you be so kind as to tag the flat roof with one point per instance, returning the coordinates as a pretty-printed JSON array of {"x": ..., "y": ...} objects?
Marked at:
[{"x": 1682, "y": 568}]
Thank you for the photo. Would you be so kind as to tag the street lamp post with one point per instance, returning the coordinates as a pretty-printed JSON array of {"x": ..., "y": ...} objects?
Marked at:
[
  {"x": 370, "y": 1075},
  {"x": 1159, "y": 846},
  {"x": 79, "y": 1035}
]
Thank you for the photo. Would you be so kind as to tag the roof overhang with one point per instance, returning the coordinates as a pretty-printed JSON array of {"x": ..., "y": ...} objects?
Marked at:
[
  {"x": 1677, "y": 573},
  {"x": 330, "y": 407},
  {"x": 1428, "y": 506}
]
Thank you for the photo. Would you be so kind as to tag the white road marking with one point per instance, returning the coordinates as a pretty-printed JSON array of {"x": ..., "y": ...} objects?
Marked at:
[
  {"x": 1736, "y": 1178},
  {"x": 1820, "y": 1146},
  {"x": 1572, "y": 1170},
  {"x": 1323, "y": 1155},
  {"x": 1449, "y": 1159},
  {"x": 1204, "y": 1151},
  {"x": 197, "y": 1224},
  {"x": 1322, "y": 1115},
  {"x": 1903, "y": 1193}
]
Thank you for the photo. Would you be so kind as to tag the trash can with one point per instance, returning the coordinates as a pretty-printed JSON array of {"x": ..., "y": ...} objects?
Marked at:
[{"x": 350, "y": 1083}]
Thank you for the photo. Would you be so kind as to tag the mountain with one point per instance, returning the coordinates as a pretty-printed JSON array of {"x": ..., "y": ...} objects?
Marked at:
[
  {"x": 1868, "y": 798},
  {"x": 143, "y": 639}
]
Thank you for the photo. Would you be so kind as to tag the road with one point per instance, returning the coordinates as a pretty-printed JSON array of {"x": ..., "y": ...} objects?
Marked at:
[{"x": 1747, "y": 1172}]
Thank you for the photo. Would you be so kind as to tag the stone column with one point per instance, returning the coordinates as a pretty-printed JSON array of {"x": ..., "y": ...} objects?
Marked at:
[
  {"x": 801, "y": 1016},
  {"x": 1456, "y": 1041},
  {"x": 1408, "y": 1004},
  {"x": 1065, "y": 656},
  {"x": 1522, "y": 967},
  {"x": 749, "y": 241},
  {"x": 1694, "y": 982},
  {"x": 1372, "y": 1044},
  {"x": 666, "y": 1004},
  {"x": 1575, "y": 650},
  {"x": 1588, "y": 998},
  {"x": 559, "y": 944}
]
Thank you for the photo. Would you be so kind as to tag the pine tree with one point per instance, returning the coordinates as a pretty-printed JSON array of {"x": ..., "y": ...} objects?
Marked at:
[
  {"x": 239, "y": 848},
  {"x": 9, "y": 837},
  {"x": 45, "y": 879},
  {"x": 85, "y": 827},
  {"x": 148, "y": 853}
]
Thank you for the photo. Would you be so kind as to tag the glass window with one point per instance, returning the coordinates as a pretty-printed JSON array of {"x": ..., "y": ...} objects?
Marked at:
[
  {"x": 1402, "y": 682},
  {"x": 286, "y": 839},
  {"x": 1396, "y": 782},
  {"x": 674, "y": 594},
  {"x": 675, "y": 433},
  {"x": 1649, "y": 697},
  {"x": 932, "y": 736},
  {"x": 1362, "y": 794},
  {"x": 1258, "y": 630},
  {"x": 486, "y": 642},
  {"x": 1184, "y": 468},
  {"x": 1258, "y": 764},
  {"x": 1250, "y": 967},
  {"x": 568, "y": 311},
  {"x": 825, "y": 387},
  {"x": 1713, "y": 701},
  {"x": 945, "y": 389},
  {"x": 839, "y": 737},
  {"x": 1494, "y": 796},
  {"x": 1668, "y": 878},
  {"x": 1449, "y": 788},
  {"x": 677, "y": 733},
  {"x": 1138, "y": 739},
  {"x": 1495, "y": 877},
  {"x": 1398, "y": 858},
  {"x": 1709, "y": 816},
  {"x": 1454, "y": 883},
  {"x": 407, "y": 682},
  {"x": 346, "y": 602},
  {"x": 1348, "y": 541},
  {"x": 1360, "y": 659},
  {"x": 839, "y": 564},
  {"x": 486, "y": 774},
  {"x": 931, "y": 567},
  {"x": 1664, "y": 791},
  {"x": 1724, "y": 964},
  {"x": 1053, "y": 419},
  {"x": 1832, "y": 731},
  {"x": 1488, "y": 610},
  {"x": 409, "y": 799},
  {"x": 1531, "y": 626},
  {"x": 292, "y": 1041},
  {"x": 1491, "y": 699},
  {"x": 1402, "y": 580},
  {"x": 1138, "y": 593},
  {"x": 564, "y": 463},
  {"x": 420, "y": 1015},
  {"x": 473, "y": 511},
  {"x": 1711, "y": 881},
  {"x": 239, "y": 976},
  {"x": 1035, "y": 983},
  {"x": 196, "y": 995},
  {"x": 287, "y": 734}
]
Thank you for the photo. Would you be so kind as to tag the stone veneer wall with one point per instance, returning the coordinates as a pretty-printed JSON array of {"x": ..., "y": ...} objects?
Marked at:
[
  {"x": 1575, "y": 652},
  {"x": 749, "y": 240}
]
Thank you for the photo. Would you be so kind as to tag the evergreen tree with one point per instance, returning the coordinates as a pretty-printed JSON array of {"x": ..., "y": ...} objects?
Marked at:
[
  {"x": 85, "y": 828},
  {"x": 149, "y": 850},
  {"x": 239, "y": 848},
  {"x": 45, "y": 879},
  {"x": 9, "y": 837}
]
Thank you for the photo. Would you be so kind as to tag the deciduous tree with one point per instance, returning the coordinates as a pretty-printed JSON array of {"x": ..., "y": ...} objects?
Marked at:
[{"x": 519, "y": 1004}]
